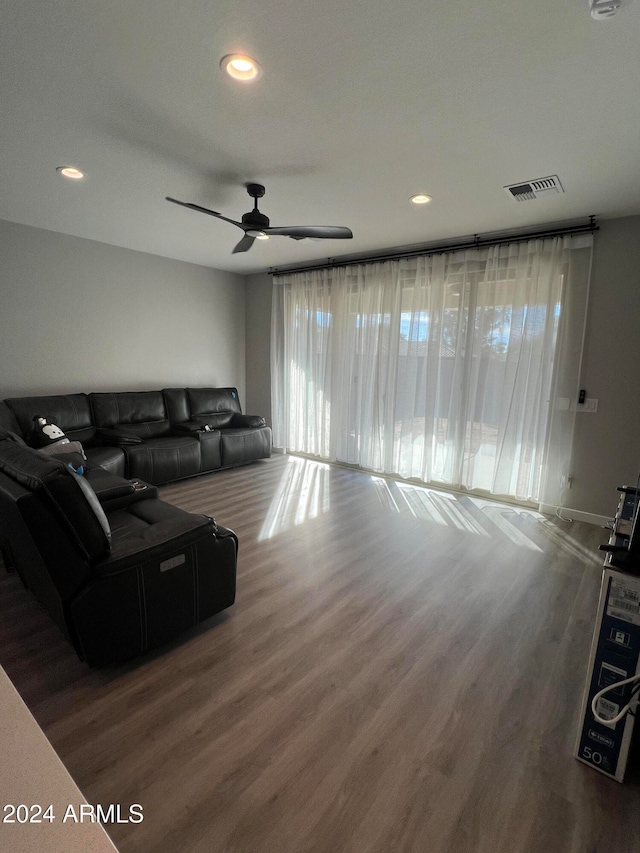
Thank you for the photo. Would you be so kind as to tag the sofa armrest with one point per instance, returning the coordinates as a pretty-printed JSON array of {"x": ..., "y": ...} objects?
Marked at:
[
  {"x": 166, "y": 527},
  {"x": 191, "y": 428},
  {"x": 108, "y": 486},
  {"x": 239, "y": 421},
  {"x": 116, "y": 492},
  {"x": 117, "y": 437}
]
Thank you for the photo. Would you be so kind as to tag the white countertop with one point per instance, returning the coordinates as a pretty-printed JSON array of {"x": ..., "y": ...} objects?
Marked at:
[{"x": 32, "y": 775}]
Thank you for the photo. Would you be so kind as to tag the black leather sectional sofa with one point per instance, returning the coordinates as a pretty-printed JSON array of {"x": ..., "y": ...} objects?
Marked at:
[
  {"x": 118, "y": 570},
  {"x": 155, "y": 436}
]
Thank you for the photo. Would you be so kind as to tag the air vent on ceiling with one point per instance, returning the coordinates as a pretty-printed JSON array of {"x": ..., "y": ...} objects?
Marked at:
[{"x": 540, "y": 188}]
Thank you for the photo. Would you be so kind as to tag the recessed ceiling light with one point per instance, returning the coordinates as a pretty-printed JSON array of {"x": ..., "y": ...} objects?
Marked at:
[
  {"x": 421, "y": 198},
  {"x": 241, "y": 67},
  {"x": 70, "y": 172}
]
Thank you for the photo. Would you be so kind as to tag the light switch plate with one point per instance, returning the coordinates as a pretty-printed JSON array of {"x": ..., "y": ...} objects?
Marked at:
[{"x": 590, "y": 405}]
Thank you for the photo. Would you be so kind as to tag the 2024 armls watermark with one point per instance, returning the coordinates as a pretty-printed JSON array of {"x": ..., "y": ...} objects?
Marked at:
[{"x": 72, "y": 813}]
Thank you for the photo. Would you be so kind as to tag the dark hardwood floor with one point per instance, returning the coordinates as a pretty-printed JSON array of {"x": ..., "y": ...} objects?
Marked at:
[{"x": 401, "y": 673}]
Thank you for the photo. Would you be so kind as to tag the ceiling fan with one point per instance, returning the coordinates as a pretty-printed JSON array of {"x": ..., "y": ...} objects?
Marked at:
[{"x": 256, "y": 225}]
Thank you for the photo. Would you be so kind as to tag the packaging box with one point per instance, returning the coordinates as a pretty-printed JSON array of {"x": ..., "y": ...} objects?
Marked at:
[{"x": 615, "y": 655}]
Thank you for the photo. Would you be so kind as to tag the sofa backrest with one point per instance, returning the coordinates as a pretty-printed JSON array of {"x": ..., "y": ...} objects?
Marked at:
[
  {"x": 61, "y": 512},
  {"x": 8, "y": 422},
  {"x": 142, "y": 413},
  {"x": 71, "y": 412},
  {"x": 177, "y": 404},
  {"x": 214, "y": 406}
]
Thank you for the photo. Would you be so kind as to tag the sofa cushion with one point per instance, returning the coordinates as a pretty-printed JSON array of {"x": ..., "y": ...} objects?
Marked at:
[
  {"x": 159, "y": 460},
  {"x": 212, "y": 401},
  {"x": 177, "y": 404},
  {"x": 117, "y": 437},
  {"x": 246, "y": 421},
  {"x": 140, "y": 413},
  {"x": 214, "y": 420},
  {"x": 244, "y": 445},
  {"x": 110, "y": 458}
]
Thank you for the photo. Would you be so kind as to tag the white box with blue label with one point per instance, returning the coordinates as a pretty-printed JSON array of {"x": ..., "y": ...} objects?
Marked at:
[{"x": 615, "y": 657}]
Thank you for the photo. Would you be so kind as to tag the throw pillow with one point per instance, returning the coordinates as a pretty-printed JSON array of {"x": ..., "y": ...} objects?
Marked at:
[{"x": 45, "y": 433}]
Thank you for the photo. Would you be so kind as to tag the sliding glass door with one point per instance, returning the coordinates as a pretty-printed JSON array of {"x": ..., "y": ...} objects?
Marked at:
[{"x": 439, "y": 367}]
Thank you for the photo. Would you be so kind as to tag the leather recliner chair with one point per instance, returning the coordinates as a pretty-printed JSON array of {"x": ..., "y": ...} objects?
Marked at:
[
  {"x": 242, "y": 437},
  {"x": 117, "y": 582}
]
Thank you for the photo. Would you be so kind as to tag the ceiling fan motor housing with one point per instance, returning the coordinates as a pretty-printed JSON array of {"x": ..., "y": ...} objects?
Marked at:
[{"x": 255, "y": 219}]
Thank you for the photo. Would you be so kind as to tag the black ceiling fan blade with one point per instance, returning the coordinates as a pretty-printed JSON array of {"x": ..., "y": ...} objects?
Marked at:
[
  {"x": 298, "y": 232},
  {"x": 244, "y": 245},
  {"x": 204, "y": 210}
]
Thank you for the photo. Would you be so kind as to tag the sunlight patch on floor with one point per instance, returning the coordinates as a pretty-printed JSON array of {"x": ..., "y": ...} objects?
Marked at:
[
  {"x": 302, "y": 494},
  {"x": 453, "y": 510}
]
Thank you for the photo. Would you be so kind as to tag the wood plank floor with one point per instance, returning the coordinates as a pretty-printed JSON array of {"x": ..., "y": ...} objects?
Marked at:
[{"x": 402, "y": 672}]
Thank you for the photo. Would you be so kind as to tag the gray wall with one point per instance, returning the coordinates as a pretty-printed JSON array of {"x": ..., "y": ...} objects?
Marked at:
[
  {"x": 607, "y": 444},
  {"x": 258, "y": 336},
  {"x": 78, "y": 315}
]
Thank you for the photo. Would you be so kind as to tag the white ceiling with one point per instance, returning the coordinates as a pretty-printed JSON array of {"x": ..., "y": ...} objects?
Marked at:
[{"x": 362, "y": 103}]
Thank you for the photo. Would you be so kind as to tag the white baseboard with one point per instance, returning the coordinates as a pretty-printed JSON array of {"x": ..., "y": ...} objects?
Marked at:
[{"x": 568, "y": 514}]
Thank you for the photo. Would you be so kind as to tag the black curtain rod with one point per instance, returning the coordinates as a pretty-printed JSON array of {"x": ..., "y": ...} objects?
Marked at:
[{"x": 475, "y": 243}]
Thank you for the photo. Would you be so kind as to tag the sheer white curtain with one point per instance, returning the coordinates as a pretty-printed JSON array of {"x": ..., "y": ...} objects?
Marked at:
[
  {"x": 301, "y": 355},
  {"x": 437, "y": 367}
]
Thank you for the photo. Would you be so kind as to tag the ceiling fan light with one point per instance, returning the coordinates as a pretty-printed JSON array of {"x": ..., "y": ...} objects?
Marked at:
[
  {"x": 71, "y": 172},
  {"x": 603, "y": 9},
  {"x": 241, "y": 67},
  {"x": 259, "y": 235},
  {"x": 420, "y": 198}
]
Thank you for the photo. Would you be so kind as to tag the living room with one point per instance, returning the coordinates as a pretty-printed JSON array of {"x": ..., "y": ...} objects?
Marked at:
[{"x": 107, "y": 287}]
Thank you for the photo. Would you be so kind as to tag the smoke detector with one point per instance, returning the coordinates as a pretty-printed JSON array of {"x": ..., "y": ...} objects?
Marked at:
[
  {"x": 531, "y": 190},
  {"x": 603, "y": 9}
]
